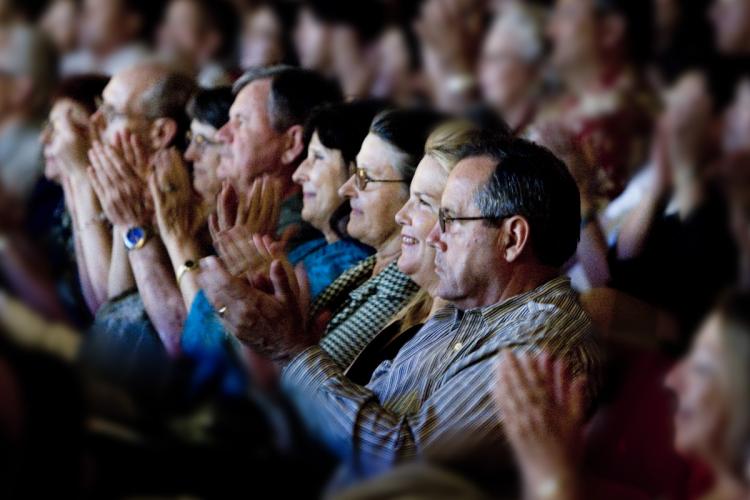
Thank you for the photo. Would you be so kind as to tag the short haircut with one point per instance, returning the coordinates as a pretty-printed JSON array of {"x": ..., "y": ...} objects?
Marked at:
[
  {"x": 221, "y": 17},
  {"x": 366, "y": 17},
  {"x": 294, "y": 93},
  {"x": 528, "y": 180},
  {"x": 407, "y": 131},
  {"x": 343, "y": 126},
  {"x": 149, "y": 11},
  {"x": 168, "y": 98},
  {"x": 211, "y": 106},
  {"x": 83, "y": 89}
]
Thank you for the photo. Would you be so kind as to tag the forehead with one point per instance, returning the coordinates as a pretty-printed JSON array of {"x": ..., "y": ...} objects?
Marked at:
[
  {"x": 467, "y": 176},
  {"x": 203, "y": 128},
  {"x": 429, "y": 178},
  {"x": 376, "y": 155}
]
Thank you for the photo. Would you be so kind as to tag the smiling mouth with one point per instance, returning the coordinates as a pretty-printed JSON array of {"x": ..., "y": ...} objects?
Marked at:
[{"x": 408, "y": 240}]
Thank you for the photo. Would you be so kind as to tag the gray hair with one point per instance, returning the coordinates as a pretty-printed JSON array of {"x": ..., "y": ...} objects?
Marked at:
[{"x": 525, "y": 24}]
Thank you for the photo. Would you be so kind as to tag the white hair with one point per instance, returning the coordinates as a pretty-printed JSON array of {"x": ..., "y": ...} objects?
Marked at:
[{"x": 525, "y": 25}]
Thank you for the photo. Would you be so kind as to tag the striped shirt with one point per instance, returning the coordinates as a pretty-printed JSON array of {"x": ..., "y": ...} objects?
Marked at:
[{"x": 434, "y": 399}]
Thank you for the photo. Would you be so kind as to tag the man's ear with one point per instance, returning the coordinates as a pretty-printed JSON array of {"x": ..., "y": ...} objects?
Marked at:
[
  {"x": 294, "y": 144},
  {"x": 515, "y": 237},
  {"x": 163, "y": 132}
]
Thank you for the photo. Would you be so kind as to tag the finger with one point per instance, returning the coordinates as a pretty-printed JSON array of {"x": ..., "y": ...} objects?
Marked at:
[
  {"x": 213, "y": 227},
  {"x": 127, "y": 149},
  {"x": 561, "y": 386},
  {"x": 281, "y": 286},
  {"x": 303, "y": 284},
  {"x": 261, "y": 247},
  {"x": 253, "y": 205},
  {"x": 265, "y": 208},
  {"x": 139, "y": 152},
  {"x": 241, "y": 210},
  {"x": 221, "y": 204},
  {"x": 577, "y": 399}
]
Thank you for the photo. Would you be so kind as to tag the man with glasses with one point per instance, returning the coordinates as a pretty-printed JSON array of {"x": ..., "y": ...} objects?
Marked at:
[
  {"x": 509, "y": 220},
  {"x": 140, "y": 116}
]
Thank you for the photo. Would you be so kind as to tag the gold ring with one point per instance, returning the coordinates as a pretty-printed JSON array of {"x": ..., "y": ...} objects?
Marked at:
[{"x": 222, "y": 311}]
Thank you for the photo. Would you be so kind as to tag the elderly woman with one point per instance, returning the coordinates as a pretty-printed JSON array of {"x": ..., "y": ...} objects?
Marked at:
[
  {"x": 365, "y": 298},
  {"x": 417, "y": 218},
  {"x": 334, "y": 135}
]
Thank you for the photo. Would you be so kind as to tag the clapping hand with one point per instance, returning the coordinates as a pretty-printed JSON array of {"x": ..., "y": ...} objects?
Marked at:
[
  {"x": 173, "y": 196},
  {"x": 118, "y": 176},
  {"x": 268, "y": 315},
  {"x": 542, "y": 409},
  {"x": 238, "y": 218}
]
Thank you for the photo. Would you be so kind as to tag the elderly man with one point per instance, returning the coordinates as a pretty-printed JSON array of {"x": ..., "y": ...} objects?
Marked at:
[
  {"x": 509, "y": 206},
  {"x": 264, "y": 135},
  {"x": 142, "y": 114}
]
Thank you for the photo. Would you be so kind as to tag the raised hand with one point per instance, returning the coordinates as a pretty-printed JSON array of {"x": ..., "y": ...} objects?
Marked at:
[
  {"x": 118, "y": 176},
  {"x": 238, "y": 218},
  {"x": 271, "y": 322},
  {"x": 172, "y": 193},
  {"x": 541, "y": 408}
]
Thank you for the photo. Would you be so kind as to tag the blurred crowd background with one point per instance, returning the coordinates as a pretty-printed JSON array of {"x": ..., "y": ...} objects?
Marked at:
[{"x": 646, "y": 101}]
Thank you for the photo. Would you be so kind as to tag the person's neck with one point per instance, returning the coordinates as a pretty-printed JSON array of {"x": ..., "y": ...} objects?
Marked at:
[
  {"x": 690, "y": 192},
  {"x": 437, "y": 304},
  {"x": 329, "y": 234},
  {"x": 524, "y": 277},
  {"x": 387, "y": 253},
  {"x": 728, "y": 486}
]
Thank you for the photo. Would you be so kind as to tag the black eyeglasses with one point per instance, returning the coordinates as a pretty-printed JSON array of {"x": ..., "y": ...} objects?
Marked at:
[
  {"x": 361, "y": 179},
  {"x": 108, "y": 111},
  {"x": 443, "y": 217}
]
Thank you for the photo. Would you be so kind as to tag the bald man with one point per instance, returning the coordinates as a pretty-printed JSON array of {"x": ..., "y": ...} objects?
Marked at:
[{"x": 146, "y": 104}]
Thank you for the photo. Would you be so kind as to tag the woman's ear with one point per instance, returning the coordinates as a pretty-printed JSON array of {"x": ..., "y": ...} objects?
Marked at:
[
  {"x": 515, "y": 237},
  {"x": 294, "y": 144},
  {"x": 162, "y": 134}
]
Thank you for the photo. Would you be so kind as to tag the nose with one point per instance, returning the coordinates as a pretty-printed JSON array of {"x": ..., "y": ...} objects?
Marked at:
[
  {"x": 300, "y": 175},
  {"x": 191, "y": 154},
  {"x": 434, "y": 239},
  {"x": 673, "y": 379},
  {"x": 46, "y": 136},
  {"x": 348, "y": 190},
  {"x": 225, "y": 133},
  {"x": 402, "y": 216}
]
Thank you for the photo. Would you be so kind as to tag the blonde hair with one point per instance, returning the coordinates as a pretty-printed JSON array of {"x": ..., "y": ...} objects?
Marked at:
[
  {"x": 444, "y": 142},
  {"x": 443, "y": 145}
]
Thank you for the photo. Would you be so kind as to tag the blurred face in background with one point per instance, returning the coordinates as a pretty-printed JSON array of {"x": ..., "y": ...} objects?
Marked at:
[
  {"x": 204, "y": 152},
  {"x": 507, "y": 70},
  {"x": 261, "y": 43},
  {"x": 312, "y": 39},
  {"x": 736, "y": 133},
  {"x": 62, "y": 136},
  {"x": 731, "y": 19},
  {"x": 106, "y": 25},
  {"x": 249, "y": 138},
  {"x": 572, "y": 30},
  {"x": 183, "y": 34},
  {"x": 374, "y": 208},
  {"x": 417, "y": 218},
  {"x": 321, "y": 175},
  {"x": 700, "y": 383},
  {"x": 60, "y": 23},
  {"x": 392, "y": 79},
  {"x": 687, "y": 121}
]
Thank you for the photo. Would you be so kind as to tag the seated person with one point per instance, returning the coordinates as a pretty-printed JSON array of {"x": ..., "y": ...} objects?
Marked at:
[
  {"x": 363, "y": 299},
  {"x": 508, "y": 206}
]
